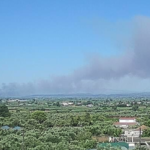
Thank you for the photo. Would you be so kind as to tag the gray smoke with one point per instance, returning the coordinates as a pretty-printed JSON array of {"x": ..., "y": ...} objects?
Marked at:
[
  {"x": 134, "y": 62},
  {"x": 99, "y": 73}
]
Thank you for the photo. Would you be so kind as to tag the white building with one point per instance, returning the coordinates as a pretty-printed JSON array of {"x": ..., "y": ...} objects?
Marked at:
[
  {"x": 134, "y": 133},
  {"x": 90, "y": 105},
  {"x": 65, "y": 104},
  {"x": 70, "y": 103},
  {"x": 125, "y": 122}
]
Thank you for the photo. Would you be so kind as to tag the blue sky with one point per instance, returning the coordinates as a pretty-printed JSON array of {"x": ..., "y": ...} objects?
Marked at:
[{"x": 43, "y": 38}]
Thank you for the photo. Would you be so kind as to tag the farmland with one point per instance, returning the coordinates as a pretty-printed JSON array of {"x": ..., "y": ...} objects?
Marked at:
[{"x": 67, "y": 123}]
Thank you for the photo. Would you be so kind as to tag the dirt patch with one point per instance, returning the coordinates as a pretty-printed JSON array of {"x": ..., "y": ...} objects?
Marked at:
[{"x": 101, "y": 138}]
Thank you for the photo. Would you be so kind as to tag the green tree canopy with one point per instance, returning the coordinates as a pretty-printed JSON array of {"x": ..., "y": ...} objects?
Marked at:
[
  {"x": 4, "y": 112},
  {"x": 39, "y": 116}
]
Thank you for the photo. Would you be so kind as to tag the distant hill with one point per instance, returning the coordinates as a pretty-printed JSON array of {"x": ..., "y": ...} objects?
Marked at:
[
  {"x": 144, "y": 94},
  {"x": 82, "y": 95}
]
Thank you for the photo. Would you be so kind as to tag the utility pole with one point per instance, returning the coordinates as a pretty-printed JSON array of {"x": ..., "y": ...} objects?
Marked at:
[
  {"x": 140, "y": 137},
  {"x": 23, "y": 140}
]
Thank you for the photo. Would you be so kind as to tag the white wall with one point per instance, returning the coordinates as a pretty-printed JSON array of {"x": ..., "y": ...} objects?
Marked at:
[
  {"x": 130, "y": 133},
  {"x": 126, "y": 120}
]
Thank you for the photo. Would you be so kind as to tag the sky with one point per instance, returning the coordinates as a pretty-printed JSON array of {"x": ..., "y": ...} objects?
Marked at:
[{"x": 74, "y": 46}]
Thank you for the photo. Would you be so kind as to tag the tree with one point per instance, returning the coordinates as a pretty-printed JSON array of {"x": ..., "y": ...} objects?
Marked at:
[
  {"x": 39, "y": 116},
  {"x": 114, "y": 107},
  {"x": 4, "y": 111},
  {"x": 135, "y": 107},
  {"x": 58, "y": 104},
  {"x": 87, "y": 118},
  {"x": 89, "y": 144}
]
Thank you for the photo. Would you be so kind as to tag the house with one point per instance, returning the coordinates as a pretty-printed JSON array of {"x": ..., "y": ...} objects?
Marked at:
[
  {"x": 132, "y": 132},
  {"x": 138, "y": 102},
  {"x": 70, "y": 103},
  {"x": 90, "y": 105},
  {"x": 125, "y": 122},
  {"x": 135, "y": 132},
  {"x": 128, "y": 105},
  {"x": 65, "y": 104},
  {"x": 143, "y": 127}
]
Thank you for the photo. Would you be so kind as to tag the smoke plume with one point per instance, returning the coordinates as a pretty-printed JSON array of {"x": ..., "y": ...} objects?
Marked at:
[{"x": 100, "y": 73}]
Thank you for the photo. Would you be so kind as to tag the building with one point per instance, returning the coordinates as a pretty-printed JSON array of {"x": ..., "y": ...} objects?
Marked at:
[
  {"x": 65, "y": 104},
  {"x": 133, "y": 132},
  {"x": 132, "y": 135},
  {"x": 125, "y": 122},
  {"x": 90, "y": 105}
]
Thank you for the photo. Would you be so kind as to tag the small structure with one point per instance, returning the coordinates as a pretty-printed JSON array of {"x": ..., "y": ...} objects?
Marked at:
[
  {"x": 135, "y": 132},
  {"x": 5, "y": 127},
  {"x": 125, "y": 122},
  {"x": 17, "y": 128},
  {"x": 90, "y": 105},
  {"x": 143, "y": 127},
  {"x": 65, "y": 104},
  {"x": 132, "y": 133}
]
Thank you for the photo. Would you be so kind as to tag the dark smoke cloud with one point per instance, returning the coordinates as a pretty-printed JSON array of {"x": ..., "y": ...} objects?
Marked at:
[
  {"x": 134, "y": 62},
  {"x": 141, "y": 58},
  {"x": 99, "y": 73},
  {"x": 15, "y": 89}
]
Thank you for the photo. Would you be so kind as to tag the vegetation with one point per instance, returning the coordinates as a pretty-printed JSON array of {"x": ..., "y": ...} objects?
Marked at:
[
  {"x": 4, "y": 112},
  {"x": 46, "y": 124}
]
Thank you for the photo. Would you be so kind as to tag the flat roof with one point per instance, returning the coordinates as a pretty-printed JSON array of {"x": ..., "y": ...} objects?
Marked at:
[{"x": 128, "y": 118}]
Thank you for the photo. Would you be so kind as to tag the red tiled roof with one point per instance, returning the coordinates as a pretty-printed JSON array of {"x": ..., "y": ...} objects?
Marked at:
[
  {"x": 125, "y": 123},
  {"x": 143, "y": 127}
]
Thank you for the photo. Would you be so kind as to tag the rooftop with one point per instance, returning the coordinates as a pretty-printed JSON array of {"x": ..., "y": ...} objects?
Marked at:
[
  {"x": 127, "y": 118},
  {"x": 125, "y": 123},
  {"x": 143, "y": 127}
]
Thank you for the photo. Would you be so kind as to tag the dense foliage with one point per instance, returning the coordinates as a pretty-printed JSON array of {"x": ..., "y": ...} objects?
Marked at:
[
  {"x": 4, "y": 112},
  {"x": 48, "y": 125},
  {"x": 55, "y": 131}
]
